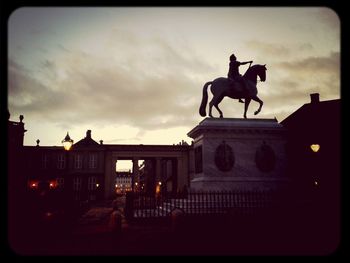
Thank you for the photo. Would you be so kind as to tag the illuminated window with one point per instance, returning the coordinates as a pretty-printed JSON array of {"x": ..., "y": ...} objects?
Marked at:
[
  {"x": 53, "y": 184},
  {"x": 33, "y": 184},
  {"x": 315, "y": 147}
]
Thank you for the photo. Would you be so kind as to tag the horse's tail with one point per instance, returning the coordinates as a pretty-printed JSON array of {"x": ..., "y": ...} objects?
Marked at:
[{"x": 204, "y": 99}]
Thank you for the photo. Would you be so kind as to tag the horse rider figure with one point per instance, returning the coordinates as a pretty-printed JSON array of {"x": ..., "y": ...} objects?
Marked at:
[{"x": 233, "y": 73}]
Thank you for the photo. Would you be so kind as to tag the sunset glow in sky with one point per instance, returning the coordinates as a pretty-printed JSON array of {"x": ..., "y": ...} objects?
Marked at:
[{"x": 135, "y": 75}]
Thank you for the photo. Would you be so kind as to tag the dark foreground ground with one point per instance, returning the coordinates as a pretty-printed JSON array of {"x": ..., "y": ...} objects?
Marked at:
[{"x": 95, "y": 233}]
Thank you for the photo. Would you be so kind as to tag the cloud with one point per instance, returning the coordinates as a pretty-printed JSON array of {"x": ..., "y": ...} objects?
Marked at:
[
  {"x": 268, "y": 48},
  {"x": 314, "y": 65},
  {"x": 297, "y": 79},
  {"x": 272, "y": 51},
  {"x": 153, "y": 83},
  {"x": 321, "y": 74},
  {"x": 24, "y": 90},
  {"x": 81, "y": 88}
]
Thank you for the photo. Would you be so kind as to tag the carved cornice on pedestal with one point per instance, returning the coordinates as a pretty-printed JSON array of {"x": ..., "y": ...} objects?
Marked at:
[{"x": 236, "y": 126}]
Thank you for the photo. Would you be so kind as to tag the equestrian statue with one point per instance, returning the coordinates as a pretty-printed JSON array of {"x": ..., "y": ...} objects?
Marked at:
[{"x": 234, "y": 86}]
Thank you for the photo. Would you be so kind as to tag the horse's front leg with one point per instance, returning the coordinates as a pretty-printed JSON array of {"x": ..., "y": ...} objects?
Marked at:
[
  {"x": 260, "y": 104},
  {"x": 246, "y": 105}
]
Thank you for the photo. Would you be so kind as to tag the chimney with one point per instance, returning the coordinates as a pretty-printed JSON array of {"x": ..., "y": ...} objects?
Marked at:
[
  {"x": 315, "y": 98},
  {"x": 101, "y": 142},
  {"x": 88, "y": 134}
]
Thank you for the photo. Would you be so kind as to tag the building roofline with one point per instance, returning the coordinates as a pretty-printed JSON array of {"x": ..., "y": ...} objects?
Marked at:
[
  {"x": 306, "y": 106},
  {"x": 114, "y": 147}
]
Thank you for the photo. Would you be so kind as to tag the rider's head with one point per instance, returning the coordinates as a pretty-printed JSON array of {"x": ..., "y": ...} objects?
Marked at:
[{"x": 233, "y": 57}]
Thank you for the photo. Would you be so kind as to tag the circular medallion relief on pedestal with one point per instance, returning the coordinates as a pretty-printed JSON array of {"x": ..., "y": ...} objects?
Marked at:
[
  {"x": 265, "y": 158},
  {"x": 224, "y": 157}
]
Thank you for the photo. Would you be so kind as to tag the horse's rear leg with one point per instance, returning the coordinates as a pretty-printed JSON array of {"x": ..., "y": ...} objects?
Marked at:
[
  {"x": 260, "y": 104},
  {"x": 210, "y": 108},
  {"x": 215, "y": 102}
]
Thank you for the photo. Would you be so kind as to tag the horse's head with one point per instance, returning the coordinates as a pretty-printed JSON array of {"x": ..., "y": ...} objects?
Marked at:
[
  {"x": 262, "y": 72},
  {"x": 256, "y": 70}
]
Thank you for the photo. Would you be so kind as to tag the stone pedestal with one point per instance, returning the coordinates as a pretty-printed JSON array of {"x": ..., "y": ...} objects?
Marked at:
[{"x": 239, "y": 154}]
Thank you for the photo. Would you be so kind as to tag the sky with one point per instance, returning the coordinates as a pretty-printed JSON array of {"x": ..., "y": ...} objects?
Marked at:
[{"x": 135, "y": 75}]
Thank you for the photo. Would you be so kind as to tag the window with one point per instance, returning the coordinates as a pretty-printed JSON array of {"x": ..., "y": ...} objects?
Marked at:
[
  {"x": 77, "y": 182},
  {"x": 93, "y": 161},
  {"x": 92, "y": 183},
  {"x": 44, "y": 161},
  {"x": 78, "y": 161},
  {"x": 61, "y": 161}
]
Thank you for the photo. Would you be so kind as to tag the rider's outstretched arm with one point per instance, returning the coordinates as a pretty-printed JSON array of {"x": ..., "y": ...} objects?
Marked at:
[{"x": 243, "y": 63}]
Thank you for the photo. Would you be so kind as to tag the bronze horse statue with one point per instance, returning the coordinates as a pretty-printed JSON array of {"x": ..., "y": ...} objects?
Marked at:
[{"x": 222, "y": 87}]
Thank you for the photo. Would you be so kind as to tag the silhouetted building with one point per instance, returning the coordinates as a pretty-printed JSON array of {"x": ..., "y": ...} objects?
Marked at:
[
  {"x": 15, "y": 133},
  {"x": 87, "y": 172},
  {"x": 314, "y": 149},
  {"x": 314, "y": 162},
  {"x": 15, "y": 136},
  {"x": 77, "y": 173},
  {"x": 16, "y": 177}
]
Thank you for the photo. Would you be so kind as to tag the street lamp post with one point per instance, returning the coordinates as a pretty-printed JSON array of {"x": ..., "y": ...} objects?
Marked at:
[{"x": 67, "y": 142}]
